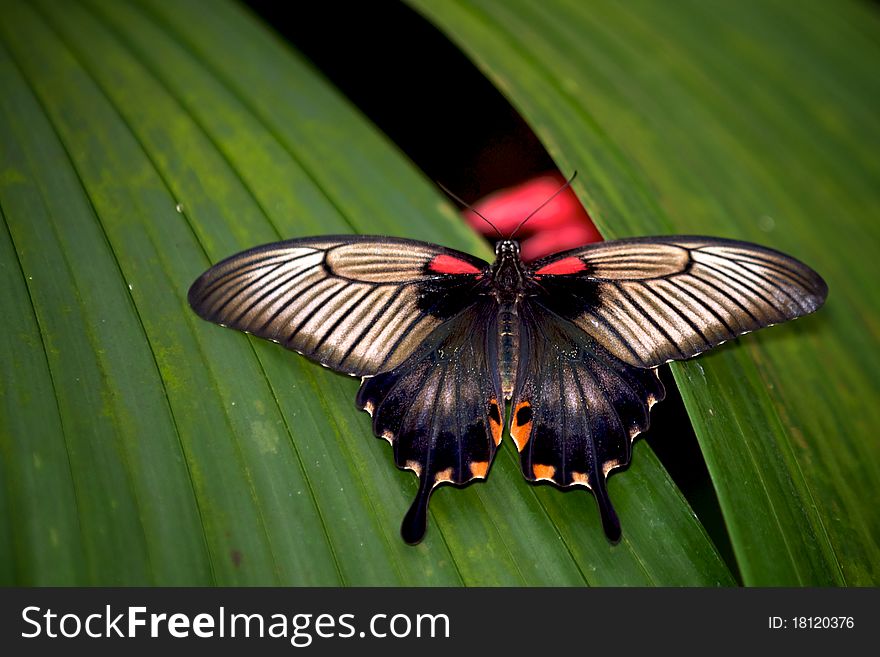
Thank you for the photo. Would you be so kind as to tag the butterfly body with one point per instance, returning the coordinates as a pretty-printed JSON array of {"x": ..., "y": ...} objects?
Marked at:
[
  {"x": 508, "y": 284},
  {"x": 454, "y": 352}
]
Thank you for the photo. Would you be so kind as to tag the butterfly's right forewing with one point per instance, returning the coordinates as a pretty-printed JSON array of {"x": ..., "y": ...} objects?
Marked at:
[{"x": 652, "y": 300}]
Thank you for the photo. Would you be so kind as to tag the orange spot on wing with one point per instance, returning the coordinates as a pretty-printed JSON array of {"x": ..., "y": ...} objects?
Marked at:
[
  {"x": 443, "y": 475},
  {"x": 495, "y": 421},
  {"x": 521, "y": 429},
  {"x": 580, "y": 478},
  {"x": 479, "y": 468},
  {"x": 543, "y": 471},
  {"x": 608, "y": 466}
]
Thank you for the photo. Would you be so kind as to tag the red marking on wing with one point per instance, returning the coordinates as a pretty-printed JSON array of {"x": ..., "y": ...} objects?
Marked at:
[
  {"x": 447, "y": 264},
  {"x": 570, "y": 265}
]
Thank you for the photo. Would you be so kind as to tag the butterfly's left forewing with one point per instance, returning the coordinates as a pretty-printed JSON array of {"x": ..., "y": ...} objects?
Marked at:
[{"x": 356, "y": 304}]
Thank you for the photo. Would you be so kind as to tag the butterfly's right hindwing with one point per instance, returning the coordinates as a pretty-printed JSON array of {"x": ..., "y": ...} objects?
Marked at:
[{"x": 576, "y": 408}]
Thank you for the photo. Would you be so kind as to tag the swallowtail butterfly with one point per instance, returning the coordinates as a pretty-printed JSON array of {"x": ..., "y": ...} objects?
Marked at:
[{"x": 454, "y": 352}]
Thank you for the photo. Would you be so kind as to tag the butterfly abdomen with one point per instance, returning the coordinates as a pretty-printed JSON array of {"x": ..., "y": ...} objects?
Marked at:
[{"x": 508, "y": 346}]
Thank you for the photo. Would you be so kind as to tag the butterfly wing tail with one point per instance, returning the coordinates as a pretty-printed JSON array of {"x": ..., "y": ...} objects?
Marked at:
[
  {"x": 415, "y": 522},
  {"x": 610, "y": 521}
]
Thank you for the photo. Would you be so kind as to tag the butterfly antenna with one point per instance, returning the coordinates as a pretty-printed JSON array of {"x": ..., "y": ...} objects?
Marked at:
[
  {"x": 469, "y": 207},
  {"x": 541, "y": 207}
]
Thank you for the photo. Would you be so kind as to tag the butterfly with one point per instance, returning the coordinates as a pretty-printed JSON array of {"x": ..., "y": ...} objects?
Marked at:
[{"x": 454, "y": 352}]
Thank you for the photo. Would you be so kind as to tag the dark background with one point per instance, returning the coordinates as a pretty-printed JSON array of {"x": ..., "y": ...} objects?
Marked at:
[{"x": 413, "y": 83}]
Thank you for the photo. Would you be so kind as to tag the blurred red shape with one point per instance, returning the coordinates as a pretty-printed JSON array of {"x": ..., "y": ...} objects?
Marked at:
[{"x": 561, "y": 224}]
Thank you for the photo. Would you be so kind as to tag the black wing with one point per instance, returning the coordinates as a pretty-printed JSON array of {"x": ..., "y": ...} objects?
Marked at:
[
  {"x": 356, "y": 304},
  {"x": 656, "y": 299},
  {"x": 440, "y": 408},
  {"x": 576, "y": 408}
]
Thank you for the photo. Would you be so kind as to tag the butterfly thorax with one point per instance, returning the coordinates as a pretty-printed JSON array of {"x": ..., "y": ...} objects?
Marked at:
[
  {"x": 507, "y": 275},
  {"x": 508, "y": 282}
]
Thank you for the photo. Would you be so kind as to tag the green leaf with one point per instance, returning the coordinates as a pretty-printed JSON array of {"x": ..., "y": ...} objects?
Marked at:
[
  {"x": 144, "y": 446},
  {"x": 746, "y": 120},
  {"x": 141, "y": 445}
]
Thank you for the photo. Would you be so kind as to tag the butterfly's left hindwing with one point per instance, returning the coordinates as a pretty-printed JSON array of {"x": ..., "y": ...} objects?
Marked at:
[
  {"x": 441, "y": 408},
  {"x": 576, "y": 408}
]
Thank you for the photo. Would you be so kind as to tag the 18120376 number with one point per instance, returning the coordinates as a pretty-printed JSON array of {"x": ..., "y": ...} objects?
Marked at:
[{"x": 811, "y": 623}]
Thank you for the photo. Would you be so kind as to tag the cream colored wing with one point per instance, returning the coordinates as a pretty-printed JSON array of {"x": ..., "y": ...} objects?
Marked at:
[
  {"x": 356, "y": 304},
  {"x": 652, "y": 300}
]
